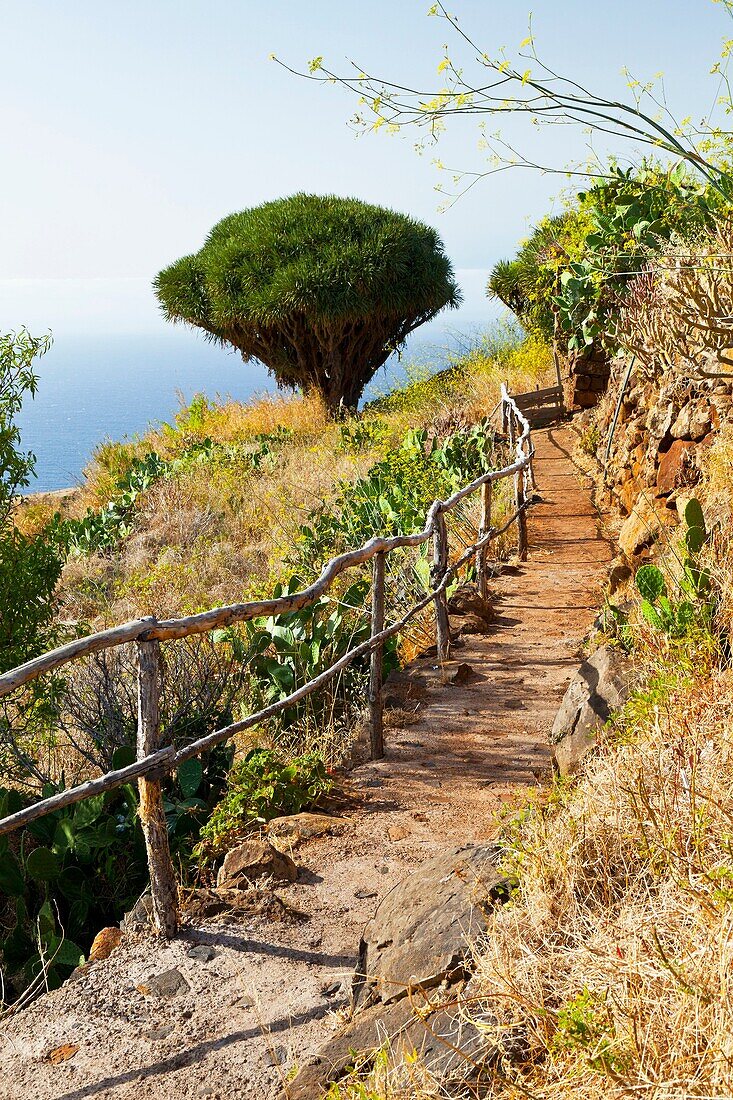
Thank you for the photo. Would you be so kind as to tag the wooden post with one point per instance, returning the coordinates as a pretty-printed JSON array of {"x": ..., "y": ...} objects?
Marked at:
[
  {"x": 376, "y": 700},
  {"x": 520, "y": 499},
  {"x": 511, "y": 433},
  {"x": 437, "y": 573},
  {"x": 532, "y": 478},
  {"x": 162, "y": 876},
  {"x": 484, "y": 527}
]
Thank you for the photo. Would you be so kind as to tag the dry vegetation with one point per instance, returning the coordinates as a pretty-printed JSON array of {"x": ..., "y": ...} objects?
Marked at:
[
  {"x": 609, "y": 971},
  {"x": 223, "y": 526},
  {"x": 219, "y": 531}
]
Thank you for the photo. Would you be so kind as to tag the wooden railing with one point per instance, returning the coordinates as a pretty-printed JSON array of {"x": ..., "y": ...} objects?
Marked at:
[{"x": 155, "y": 760}]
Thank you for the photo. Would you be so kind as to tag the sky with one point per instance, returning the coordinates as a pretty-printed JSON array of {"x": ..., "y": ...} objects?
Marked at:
[{"x": 130, "y": 128}]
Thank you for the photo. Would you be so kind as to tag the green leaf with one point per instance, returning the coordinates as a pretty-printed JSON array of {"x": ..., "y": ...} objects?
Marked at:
[
  {"x": 685, "y": 615},
  {"x": 651, "y": 615},
  {"x": 190, "y": 775},
  {"x": 68, "y": 953},
  {"x": 12, "y": 882},
  {"x": 88, "y": 811},
  {"x": 650, "y": 583},
  {"x": 45, "y": 920},
  {"x": 694, "y": 516},
  {"x": 43, "y": 865},
  {"x": 65, "y": 835},
  {"x": 122, "y": 757},
  {"x": 695, "y": 539}
]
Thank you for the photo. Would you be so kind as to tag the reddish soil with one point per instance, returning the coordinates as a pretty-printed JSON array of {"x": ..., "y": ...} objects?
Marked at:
[{"x": 271, "y": 992}]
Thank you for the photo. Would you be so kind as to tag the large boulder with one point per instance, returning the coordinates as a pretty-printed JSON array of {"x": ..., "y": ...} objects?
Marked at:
[
  {"x": 252, "y": 860},
  {"x": 676, "y": 467},
  {"x": 644, "y": 525},
  {"x": 601, "y": 685},
  {"x": 421, "y": 932},
  {"x": 693, "y": 420},
  {"x": 419, "y": 938}
]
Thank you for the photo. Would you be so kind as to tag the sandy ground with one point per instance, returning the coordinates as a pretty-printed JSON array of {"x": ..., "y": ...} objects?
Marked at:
[{"x": 258, "y": 997}]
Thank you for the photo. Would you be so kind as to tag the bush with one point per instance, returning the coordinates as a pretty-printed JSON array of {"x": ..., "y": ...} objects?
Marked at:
[
  {"x": 70, "y": 873},
  {"x": 262, "y": 786},
  {"x": 29, "y": 567},
  {"x": 394, "y": 496},
  {"x": 29, "y": 571}
]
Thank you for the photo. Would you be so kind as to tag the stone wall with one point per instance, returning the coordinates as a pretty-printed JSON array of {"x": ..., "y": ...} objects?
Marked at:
[
  {"x": 660, "y": 439},
  {"x": 587, "y": 379}
]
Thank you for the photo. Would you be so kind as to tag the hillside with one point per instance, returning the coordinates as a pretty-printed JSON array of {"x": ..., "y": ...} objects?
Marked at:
[
  {"x": 260, "y": 995},
  {"x": 554, "y": 920}
]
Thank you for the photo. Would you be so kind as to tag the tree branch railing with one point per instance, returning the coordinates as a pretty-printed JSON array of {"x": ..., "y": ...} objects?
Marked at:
[{"x": 155, "y": 761}]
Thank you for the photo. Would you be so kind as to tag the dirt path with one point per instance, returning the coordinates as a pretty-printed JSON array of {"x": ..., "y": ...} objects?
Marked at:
[{"x": 250, "y": 1009}]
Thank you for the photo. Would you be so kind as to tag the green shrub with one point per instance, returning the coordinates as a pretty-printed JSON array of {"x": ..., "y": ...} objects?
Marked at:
[
  {"x": 65, "y": 875},
  {"x": 393, "y": 498},
  {"x": 574, "y": 269},
  {"x": 262, "y": 786},
  {"x": 361, "y": 435},
  {"x": 29, "y": 570},
  {"x": 70, "y": 873},
  {"x": 285, "y": 651},
  {"x": 29, "y": 567}
]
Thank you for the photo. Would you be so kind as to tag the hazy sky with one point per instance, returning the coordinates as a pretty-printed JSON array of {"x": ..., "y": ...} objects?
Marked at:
[{"x": 129, "y": 128}]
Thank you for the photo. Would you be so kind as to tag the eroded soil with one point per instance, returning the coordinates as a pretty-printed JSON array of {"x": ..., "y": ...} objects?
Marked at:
[{"x": 258, "y": 997}]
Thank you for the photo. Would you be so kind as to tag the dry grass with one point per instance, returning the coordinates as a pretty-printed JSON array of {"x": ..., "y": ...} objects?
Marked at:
[
  {"x": 610, "y": 970},
  {"x": 219, "y": 532}
]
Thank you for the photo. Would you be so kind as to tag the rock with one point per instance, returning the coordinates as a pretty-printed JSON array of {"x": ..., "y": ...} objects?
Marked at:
[
  {"x": 419, "y": 935},
  {"x": 466, "y": 600},
  {"x": 140, "y": 916},
  {"x": 700, "y": 421},
  {"x": 659, "y": 421},
  {"x": 455, "y": 1041},
  {"x": 470, "y": 624},
  {"x": 459, "y": 674},
  {"x": 643, "y": 525},
  {"x": 629, "y": 494},
  {"x": 331, "y": 989},
  {"x": 169, "y": 983},
  {"x": 471, "y": 613},
  {"x": 237, "y": 904},
  {"x": 619, "y": 572},
  {"x": 676, "y": 467},
  {"x": 201, "y": 953},
  {"x": 277, "y": 1055},
  {"x": 161, "y": 1032},
  {"x": 251, "y": 860},
  {"x": 464, "y": 674},
  {"x": 104, "y": 944},
  {"x": 601, "y": 684},
  {"x": 693, "y": 421},
  {"x": 299, "y": 827},
  {"x": 398, "y": 832}
]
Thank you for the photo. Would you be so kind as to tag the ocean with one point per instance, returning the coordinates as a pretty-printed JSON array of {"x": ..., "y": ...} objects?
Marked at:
[
  {"x": 99, "y": 382},
  {"x": 112, "y": 387}
]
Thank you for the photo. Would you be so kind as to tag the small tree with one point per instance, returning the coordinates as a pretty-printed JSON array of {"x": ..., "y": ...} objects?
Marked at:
[
  {"x": 318, "y": 288},
  {"x": 29, "y": 567}
]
